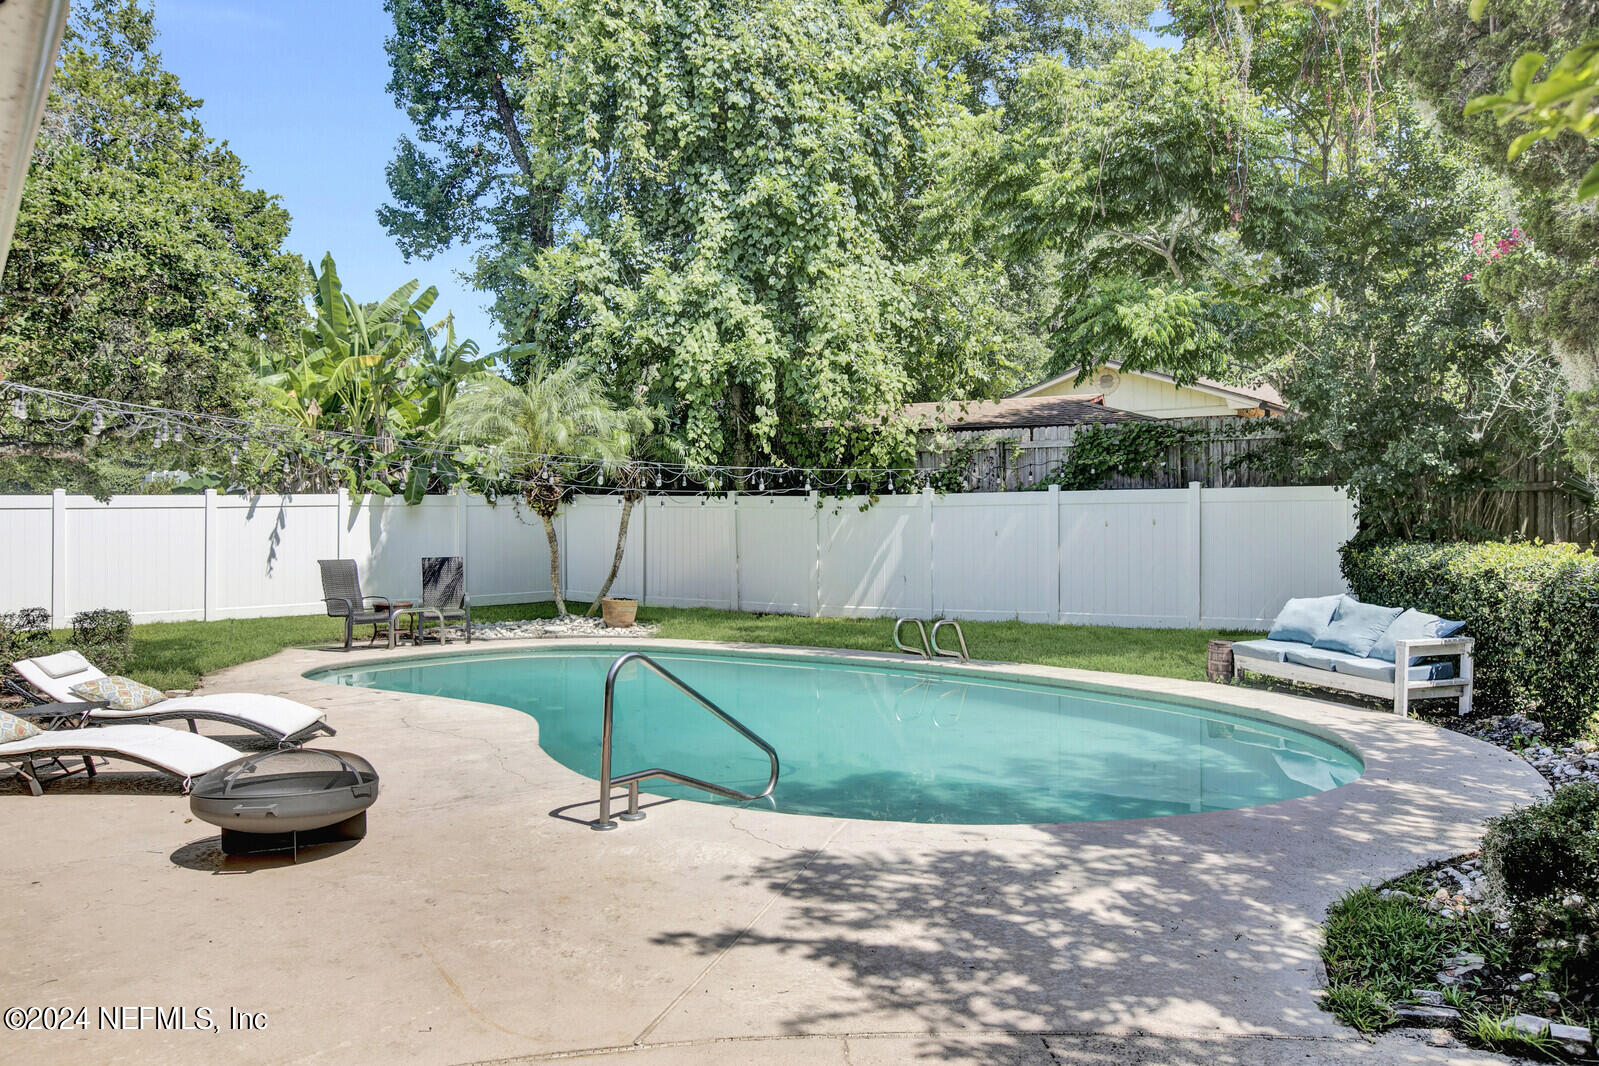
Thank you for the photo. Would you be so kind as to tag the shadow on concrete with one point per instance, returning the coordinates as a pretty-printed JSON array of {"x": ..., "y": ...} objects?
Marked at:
[{"x": 206, "y": 856}]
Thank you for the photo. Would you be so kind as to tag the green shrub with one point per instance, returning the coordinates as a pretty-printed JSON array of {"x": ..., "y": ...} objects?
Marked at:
[
  {"x": 105, "y": 637},
  {"x": 1532, "y": 608},
  {"x": 1542, "y": 862},
  {"x": 24, "y": 634}
]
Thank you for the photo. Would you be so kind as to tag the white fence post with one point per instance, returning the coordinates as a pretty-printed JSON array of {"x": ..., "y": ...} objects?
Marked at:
[
  {"x": 341, "y": 515},
  {"x": 814, "y": 500},
  {"x": 213, "y": 572},
  {"x": 1196, "y": 532},
  {"x": 58, "y": 557},
  {"x": 1054, "y": 538},
  {"x": 927, "y": 517},
  {"x": 732, "y": 502}
]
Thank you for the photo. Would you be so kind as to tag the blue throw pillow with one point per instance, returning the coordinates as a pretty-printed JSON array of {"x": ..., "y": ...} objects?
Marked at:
[
  {"x": 1413, "y": 625},
  {"x": 1355, "y": 626},
  {"x": 1303, "y": 620}
]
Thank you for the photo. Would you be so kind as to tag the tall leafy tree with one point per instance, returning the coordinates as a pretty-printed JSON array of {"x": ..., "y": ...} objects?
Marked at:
[
  {"x": 472, "y": 173},
  {"x": 1128, "y": 171},
  {"x": 141, "y": 254},
  {"x": 738, "y": 229}
]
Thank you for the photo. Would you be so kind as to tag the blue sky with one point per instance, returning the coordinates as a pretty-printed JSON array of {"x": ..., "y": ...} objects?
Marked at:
[{"x": 297, "y": 90}]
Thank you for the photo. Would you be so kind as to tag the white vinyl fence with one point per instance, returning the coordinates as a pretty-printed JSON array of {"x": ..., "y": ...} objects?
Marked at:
[{"x": 1151, "y": 557}]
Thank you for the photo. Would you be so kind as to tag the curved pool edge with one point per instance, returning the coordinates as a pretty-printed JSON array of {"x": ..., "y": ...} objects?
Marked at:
[
  {"x": 1099, "y": 682},
  {"x": 1393, "y": 751}
]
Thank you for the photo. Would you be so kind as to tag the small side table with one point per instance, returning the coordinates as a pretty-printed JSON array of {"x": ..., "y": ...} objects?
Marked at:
[
  {"x": 401, "y": 608},
  {"x": 49, "y": 716}
]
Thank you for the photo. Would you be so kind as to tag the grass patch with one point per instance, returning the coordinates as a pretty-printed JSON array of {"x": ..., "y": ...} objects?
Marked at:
[
  {"x": 175, "y": 655},
  {"x": 1377, "y": 949}
]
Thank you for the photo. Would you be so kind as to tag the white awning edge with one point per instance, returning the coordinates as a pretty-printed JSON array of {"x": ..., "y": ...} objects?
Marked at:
[{"x": 30, "y": 38}]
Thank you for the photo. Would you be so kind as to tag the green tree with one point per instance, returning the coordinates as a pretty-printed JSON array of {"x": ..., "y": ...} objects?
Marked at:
[
  {"x": 1551, "y": 297},
  {"x": 470, "y": 174},
  {"x": 1128, "y": 171},
  {"x": 534, "y": 431},
  {"x": 141, "y": 257},
  {"x": 740, "y": 179}
]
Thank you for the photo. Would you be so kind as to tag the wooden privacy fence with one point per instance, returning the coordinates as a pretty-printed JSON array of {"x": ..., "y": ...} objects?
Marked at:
[
  {"x": 1010, "y": 459},
  {"x": 1542, "y": 500},
  {"x": 1162, "y": 557}
]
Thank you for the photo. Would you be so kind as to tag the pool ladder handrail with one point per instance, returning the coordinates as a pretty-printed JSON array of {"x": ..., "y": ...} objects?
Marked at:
[
  {"x": 963, "y": 655},
  {"x": 631, "y": 780},
  {"x": 930, "y": 648},
  {"x": 925, "y": 651}
]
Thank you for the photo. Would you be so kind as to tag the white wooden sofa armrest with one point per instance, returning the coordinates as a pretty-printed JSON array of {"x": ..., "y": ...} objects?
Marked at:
[
  {"x": 1433, "y": 646},
  {"x": 1450, "y": 647}
]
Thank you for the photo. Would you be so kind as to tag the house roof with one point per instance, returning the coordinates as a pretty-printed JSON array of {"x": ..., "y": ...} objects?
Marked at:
[
  {"x": 1017, "y": 412},
  {"x": 1263, "y": 396}
]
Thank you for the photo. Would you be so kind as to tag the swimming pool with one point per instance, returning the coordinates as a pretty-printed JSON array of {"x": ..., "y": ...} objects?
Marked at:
[{"x": 891, "y": 741}]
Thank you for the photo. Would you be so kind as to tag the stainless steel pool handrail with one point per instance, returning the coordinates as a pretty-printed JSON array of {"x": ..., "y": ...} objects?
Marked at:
[
  {"x": 963, "y": 655},
  {"x": 607, "y": 782},
  {"x": 926, "y": 650}
]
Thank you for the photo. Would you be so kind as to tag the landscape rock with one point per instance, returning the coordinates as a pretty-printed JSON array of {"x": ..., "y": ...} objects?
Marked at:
[
  {"x": 1425, "y": 1016},
  {"x": 1574, "y": 1039},
  {"x": 1530, "y": 1024},
  {"x": 547, "y": 628},
  {"x": 1427, "y": 996}
]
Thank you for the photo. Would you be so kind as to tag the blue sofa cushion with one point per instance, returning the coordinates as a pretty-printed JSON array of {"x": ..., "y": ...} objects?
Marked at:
[
  {"x": 1377, "y": 670},
  {"x": 1303, "y": 620},
  {"x": 1355, "y": 626},
  {"x": 1316, "y": 657},
  {"x": 1413, "y": 625},
  {"x": 1269, "y": 650}
]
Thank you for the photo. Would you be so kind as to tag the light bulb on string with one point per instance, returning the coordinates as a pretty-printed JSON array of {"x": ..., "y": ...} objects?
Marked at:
[
  {"x": 97, "y": 424},
  {"x": 19, "y": 409}
]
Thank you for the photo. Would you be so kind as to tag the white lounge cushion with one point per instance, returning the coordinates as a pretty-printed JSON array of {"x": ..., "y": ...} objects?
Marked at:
[
  {"x": 173, "y": 750},
  {"x": 58, "y": 686},
  {"x": 1270, "y": 650},
  {"x": 283, "y": 716}
]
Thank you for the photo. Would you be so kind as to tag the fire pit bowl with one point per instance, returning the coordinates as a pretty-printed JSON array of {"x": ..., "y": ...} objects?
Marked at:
[{"x": 285, "y": 799}]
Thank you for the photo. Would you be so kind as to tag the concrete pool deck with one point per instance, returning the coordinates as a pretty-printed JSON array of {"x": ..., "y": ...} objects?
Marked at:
[{"x": 482, "y": 920}]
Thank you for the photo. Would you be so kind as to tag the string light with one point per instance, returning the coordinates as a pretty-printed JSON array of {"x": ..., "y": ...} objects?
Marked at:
[{"x": 61, "y": 410}]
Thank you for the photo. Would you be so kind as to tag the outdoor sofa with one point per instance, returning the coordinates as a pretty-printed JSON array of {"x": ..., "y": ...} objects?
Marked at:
[
  {"x": 1337, "y": 642},
  {"x": 285, "y": 721}
]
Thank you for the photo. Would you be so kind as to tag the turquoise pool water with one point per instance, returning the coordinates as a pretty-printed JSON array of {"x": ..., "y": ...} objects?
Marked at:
[{"x": 891, "y": 742}]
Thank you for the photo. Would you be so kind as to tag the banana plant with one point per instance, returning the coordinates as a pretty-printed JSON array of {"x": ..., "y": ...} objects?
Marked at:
[{"x": 376, "y": 370}]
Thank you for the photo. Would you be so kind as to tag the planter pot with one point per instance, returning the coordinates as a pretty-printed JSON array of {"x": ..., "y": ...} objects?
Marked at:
[{"x": 618, "y": 611}]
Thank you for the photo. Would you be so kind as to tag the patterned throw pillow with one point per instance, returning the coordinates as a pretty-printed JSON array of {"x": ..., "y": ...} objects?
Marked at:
[
  {"x": 120, "y": 693},
  {"x": 14, "y": 728}
]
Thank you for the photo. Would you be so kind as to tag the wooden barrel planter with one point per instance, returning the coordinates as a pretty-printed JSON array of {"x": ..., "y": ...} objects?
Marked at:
[{"x": 1219, "y": 661}]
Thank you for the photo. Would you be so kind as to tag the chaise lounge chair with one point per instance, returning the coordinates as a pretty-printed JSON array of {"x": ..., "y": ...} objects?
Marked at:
[
  {"x": 183, "y": 755},
  {"x": 285, "y": 721}
]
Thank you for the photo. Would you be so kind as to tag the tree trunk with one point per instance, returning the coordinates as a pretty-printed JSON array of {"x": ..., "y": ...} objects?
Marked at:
[
  {"x": 555, "y": 564},
  {"x": 616, "y": 560}
]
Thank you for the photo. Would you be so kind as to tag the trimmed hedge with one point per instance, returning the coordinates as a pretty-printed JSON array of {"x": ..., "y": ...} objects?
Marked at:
[{"x": 1533, "y": 609}]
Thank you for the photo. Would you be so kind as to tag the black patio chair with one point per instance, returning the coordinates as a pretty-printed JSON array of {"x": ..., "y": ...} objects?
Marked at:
[
  {"x": 444, "y": 591},
  {"x": 341, "y": 591}
]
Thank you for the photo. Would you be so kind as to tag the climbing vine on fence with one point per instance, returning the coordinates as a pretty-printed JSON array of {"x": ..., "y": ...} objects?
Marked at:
[{"x": 1134, "y": 449}]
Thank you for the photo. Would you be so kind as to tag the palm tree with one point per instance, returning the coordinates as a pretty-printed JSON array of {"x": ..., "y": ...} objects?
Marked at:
[{"x": 561, "y": 411}]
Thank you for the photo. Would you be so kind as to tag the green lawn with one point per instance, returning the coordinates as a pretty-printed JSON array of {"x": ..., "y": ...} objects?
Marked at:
[{"x": 172, "y": 655}]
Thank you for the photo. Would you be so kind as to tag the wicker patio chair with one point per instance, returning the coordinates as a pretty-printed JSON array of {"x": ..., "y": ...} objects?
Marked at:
[
  {"x": 444, "y": 591},
  {"x": 341, "y": 591}
]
